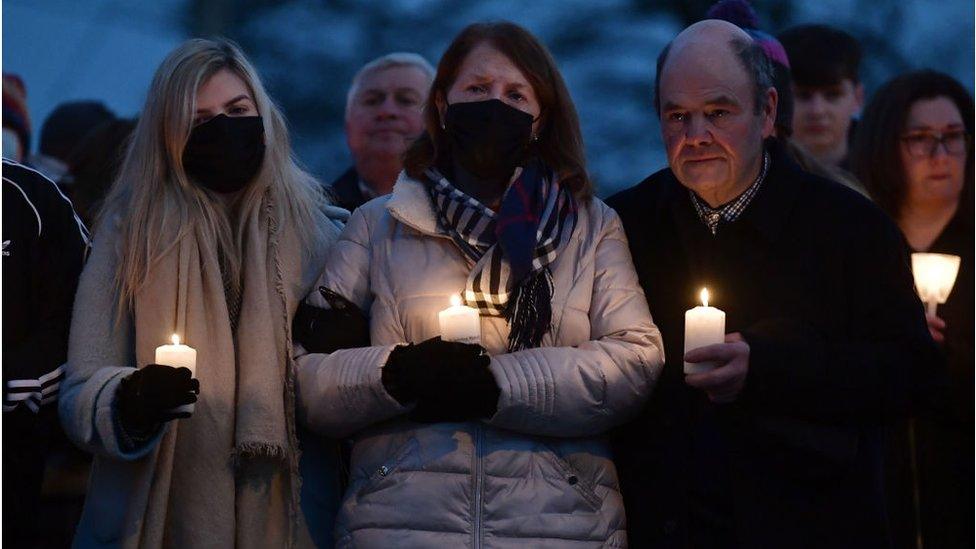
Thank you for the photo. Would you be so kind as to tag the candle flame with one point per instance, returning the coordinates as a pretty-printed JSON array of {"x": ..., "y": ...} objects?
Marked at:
[
  {"x": 704, "y": 296},
  {"x": 455, "y": 300},
  {"x": 175, "y": 339}
]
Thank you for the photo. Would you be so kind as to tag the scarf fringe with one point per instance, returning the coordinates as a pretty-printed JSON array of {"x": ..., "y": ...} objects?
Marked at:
[
  {"x": 292, "y": 456},
  {"x": 529, "y": 315},
  {"x": 253, "y": 450}
]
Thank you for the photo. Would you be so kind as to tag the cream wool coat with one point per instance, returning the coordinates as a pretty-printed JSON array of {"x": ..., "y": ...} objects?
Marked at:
[
  {"x": 536, "y": 474},
  {"x": 129, "y": 489}
]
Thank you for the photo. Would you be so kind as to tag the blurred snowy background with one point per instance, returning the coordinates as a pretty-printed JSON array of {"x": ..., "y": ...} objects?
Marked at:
[{"x": 308, "y": 51}]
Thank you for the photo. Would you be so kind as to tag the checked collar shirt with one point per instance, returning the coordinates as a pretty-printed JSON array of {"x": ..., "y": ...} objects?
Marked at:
[{"x": 730, "y": 211}]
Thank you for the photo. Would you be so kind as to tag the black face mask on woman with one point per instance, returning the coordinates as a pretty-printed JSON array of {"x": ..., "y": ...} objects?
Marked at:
[
  {"x": 489, "y": 139},
  {"x": 225, "y": 153}
]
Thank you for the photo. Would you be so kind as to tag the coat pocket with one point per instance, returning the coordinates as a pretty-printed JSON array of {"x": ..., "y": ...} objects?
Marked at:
[
  {"x": 575, "y": 480},
  {"x": 382, "y": 475}
]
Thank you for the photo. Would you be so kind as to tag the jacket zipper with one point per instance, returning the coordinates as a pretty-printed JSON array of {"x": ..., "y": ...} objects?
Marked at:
[{"x": 479, "y": 482}]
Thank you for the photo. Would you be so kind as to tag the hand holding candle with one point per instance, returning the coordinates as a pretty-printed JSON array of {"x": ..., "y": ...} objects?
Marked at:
[
  {"x": 725, "y": 382},
  {"x": 704, "y": 326},
  {"x": 178, "y": 356},
  {"x": 460, "y": 323}
]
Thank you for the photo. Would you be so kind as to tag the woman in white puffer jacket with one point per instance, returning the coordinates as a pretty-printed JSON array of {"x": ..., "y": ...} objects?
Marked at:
[{"x": 451, "y": 447}]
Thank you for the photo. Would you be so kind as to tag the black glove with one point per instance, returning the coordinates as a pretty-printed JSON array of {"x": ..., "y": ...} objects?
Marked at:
[
  {"x": 449, "y": 381},
  {"x": 342, "y": 326},
  {"x": 149, "y": 395}
]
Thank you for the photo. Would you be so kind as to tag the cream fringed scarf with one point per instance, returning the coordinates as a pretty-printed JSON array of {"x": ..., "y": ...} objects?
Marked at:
[{"x": 227, "y": 476}]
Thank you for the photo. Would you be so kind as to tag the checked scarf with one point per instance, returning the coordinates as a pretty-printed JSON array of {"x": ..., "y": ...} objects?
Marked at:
[{"x": 511, "y": 249}]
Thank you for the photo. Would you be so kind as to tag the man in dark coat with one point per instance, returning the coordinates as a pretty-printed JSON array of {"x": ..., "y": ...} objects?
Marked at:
[
  {"x": 44, "y": 246},
  {"x": 383, "y": 116},
  {"x": 778, "y": 445}
]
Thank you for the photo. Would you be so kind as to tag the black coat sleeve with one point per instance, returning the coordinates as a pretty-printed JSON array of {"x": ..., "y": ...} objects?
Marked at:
[
  {"x": 48, "y": 267},
  {"x": 886, "y": 362}
]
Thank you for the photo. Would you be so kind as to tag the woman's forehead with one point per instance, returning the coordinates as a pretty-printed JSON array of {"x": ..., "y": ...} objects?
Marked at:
[
  {"x": 933, "y": 112},
  {"x": 485, "y": 61}
]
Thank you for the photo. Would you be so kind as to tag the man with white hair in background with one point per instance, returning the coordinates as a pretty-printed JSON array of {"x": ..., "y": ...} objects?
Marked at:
[{"x": 383, "y": 116}]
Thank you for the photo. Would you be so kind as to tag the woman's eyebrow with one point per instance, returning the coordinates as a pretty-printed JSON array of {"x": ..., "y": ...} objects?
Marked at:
[{"x": 236, "y": 99}]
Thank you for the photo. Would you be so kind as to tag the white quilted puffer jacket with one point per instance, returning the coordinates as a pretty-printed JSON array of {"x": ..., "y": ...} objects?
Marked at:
[{"x": 536, "y": 474}]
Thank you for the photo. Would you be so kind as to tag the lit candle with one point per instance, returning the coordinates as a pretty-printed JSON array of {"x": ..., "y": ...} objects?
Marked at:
[
  {"x": 704, "y": 326},
  {"x": 935, "y": 274},
  {"x": 178, "y": 356},
  {"x": 460, "y": 323}
]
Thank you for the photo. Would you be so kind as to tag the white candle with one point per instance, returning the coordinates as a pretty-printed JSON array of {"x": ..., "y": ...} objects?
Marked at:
[
  {"x": 460, "y": 323},
  {"x": 178, "y": 356},
  {"x": 935, "y": 275},
  {"x": 704, "y": 326}
]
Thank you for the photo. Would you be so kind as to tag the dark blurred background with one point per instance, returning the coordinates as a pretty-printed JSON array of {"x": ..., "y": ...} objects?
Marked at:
[{"x": 308, "y": 51}]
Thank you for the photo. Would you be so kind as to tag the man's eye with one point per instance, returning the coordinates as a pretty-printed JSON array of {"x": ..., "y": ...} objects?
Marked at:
[
  {"x": 372, "y": 100},
  {"x": 832, "y": 96},
  {"x": 677, "y": 117},
  {"x": 407, "y": 101},
  {"x": 718, "y": 113}
]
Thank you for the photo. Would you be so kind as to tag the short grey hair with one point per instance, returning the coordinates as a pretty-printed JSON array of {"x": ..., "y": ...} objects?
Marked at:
[
  {"x": 388, "y": 61},
  {"x": 754, "y": 61}
]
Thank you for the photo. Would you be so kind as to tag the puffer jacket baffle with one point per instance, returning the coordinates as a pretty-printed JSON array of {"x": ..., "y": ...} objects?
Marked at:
[{"x": 536, "y": 474}]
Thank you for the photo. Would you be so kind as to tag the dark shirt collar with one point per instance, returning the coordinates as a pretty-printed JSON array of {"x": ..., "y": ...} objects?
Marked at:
[
  {"x": 365, "y": 190},
  {"x": 347, "y": 191},
  {"x": 957, "y": 236}
]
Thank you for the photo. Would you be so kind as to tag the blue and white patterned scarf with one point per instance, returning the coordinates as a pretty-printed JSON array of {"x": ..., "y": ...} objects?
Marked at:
[{"x": 512, "y": 248}]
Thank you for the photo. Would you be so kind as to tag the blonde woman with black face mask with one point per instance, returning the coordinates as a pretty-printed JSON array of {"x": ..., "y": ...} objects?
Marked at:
[{"x": 213, "y": 233}]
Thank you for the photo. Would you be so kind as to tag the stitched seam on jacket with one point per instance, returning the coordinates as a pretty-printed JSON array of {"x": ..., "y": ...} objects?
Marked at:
[
  {"x": 547, "y": 384},
  {"x": 407, "y": 529}
]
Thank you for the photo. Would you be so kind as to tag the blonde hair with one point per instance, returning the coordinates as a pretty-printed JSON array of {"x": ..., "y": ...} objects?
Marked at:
[{"x": 158, "y": 203}]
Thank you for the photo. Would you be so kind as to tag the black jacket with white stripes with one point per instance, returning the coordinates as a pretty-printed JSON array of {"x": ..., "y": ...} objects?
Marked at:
[{"x": 44, "y": 247}]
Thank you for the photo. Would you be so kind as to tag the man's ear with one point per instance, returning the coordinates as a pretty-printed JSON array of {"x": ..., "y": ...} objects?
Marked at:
[
  {"x": 859, "y": 95},
  {"x": 769, "y": 112}
]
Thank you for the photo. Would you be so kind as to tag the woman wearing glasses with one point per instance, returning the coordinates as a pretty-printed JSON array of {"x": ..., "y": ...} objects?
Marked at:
[{"x": 914, "y": 154}]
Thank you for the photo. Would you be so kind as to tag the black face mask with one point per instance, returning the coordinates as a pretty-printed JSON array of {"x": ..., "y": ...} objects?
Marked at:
[
  {"x": 225, "y": 153},
  {"x": 489, "y": 139}
]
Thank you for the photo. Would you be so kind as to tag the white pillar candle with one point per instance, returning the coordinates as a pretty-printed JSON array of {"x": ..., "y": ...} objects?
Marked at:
[
  {"x": 704, "y": 326},
  {"x": 178, "y": 356},
  {"x": 935, "y": 275},
  {"x": 460, "y": 323}
]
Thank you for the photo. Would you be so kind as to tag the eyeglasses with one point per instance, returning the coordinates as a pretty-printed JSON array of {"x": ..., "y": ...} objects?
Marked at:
[{"x": 921, "y": 145}]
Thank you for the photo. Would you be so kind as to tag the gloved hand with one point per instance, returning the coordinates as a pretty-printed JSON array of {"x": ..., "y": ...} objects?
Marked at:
[
  {"x": 149, "y": 395},
  {"x": 342, "y": 326},
  {"x": 449, "y": 381}
]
